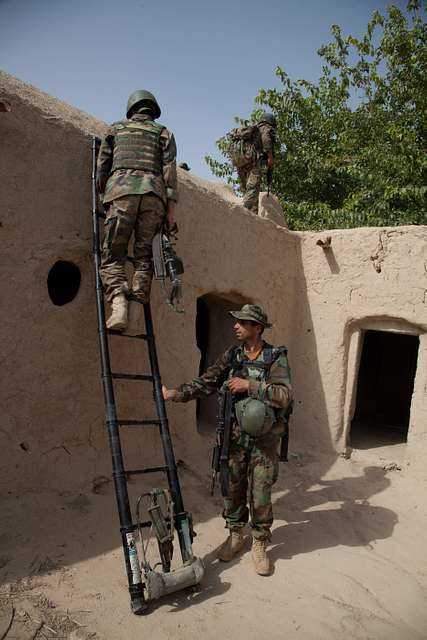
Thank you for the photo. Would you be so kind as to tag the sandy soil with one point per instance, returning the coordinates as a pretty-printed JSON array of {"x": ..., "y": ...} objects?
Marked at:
[{"x": 348, "y": 553}]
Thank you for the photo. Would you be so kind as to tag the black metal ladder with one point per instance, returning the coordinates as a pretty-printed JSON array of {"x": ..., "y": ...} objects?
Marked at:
[{"x": 182, "y": 520}]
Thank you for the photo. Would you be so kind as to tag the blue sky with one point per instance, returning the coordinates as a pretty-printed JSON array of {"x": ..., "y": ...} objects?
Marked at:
[{"x": 205, "y": 61}]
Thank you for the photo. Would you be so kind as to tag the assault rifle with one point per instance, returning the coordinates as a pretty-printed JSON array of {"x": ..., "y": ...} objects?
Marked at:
[
  {"x": 168, "y": 265},
  {"x": 222, "y": 447}
]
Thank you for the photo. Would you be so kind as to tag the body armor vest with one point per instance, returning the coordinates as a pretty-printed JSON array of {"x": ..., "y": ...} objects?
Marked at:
[
  {"x": 255, "y": 369},
  {"x": 242, "y": 367},
  {"x": 137, "y": 146}
]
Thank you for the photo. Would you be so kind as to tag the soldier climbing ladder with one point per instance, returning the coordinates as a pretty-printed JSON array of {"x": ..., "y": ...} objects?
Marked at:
[{"x": 148, "y": 583}]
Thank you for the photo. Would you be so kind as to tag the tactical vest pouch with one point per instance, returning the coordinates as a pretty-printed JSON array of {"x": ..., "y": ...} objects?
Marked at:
[{"x": 137, "y": 146}]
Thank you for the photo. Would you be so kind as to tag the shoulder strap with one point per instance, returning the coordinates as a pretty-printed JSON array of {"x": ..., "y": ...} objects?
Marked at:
[
  {"x": 234, "y": 360},
  {"x": 272, "y": 353}
]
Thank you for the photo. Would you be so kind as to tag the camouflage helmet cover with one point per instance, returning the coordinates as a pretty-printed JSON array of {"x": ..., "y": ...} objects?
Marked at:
[
  {"x": 268, "y": 118},
  {"x": 142, "y": 96},
  {"x": 252, "y": 312}
]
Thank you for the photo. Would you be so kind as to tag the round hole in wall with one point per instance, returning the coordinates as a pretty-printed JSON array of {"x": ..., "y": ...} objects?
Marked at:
[{"x": 63, "y": 282}]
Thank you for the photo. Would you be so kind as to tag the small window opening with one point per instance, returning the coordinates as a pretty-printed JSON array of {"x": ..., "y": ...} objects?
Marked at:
[
  {"x": 384, "y": 391},
  {"x": 4, "y": 106},
  {"x": 63, "y": 282},
  {"x": 214, "y": 334}
]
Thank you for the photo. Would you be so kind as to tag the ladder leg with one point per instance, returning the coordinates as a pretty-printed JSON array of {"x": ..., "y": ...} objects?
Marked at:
[{"x": 182, "y": 523}]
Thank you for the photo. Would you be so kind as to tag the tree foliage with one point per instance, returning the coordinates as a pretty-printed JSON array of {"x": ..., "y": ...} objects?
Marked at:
[{"x": 340, "y": 165}]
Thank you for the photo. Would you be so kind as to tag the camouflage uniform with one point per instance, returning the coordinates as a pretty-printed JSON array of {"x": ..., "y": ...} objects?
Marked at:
[
  {"x": 253, "y": 462},
  {"x": 136, "y": 198},
  {"x": 250, "y": 173}
]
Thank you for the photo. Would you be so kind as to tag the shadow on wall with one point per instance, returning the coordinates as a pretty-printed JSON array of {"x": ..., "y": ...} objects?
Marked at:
[{"x": 310, "y": 427}]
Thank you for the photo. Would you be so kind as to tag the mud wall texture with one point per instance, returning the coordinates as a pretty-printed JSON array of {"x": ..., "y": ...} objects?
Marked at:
[
  {"x": 369, "y": 279},
  {"x": 52, "y": 432}
]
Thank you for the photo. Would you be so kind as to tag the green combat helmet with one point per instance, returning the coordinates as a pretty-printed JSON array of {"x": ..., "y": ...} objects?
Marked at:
[
  {"x": 142, "y": 96},
  {"x": 269, "y": 119},
  {"x": 254, "y": 417}
]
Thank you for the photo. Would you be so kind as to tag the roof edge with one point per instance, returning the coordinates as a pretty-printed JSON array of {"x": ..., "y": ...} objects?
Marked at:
[{"x": 12, "y": 89}]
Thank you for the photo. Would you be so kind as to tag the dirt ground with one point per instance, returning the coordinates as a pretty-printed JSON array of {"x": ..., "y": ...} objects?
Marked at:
[{"x": 349, "y": 555}]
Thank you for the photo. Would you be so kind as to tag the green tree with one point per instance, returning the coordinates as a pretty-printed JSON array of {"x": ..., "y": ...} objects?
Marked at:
[{"x": 339, "y": 165}]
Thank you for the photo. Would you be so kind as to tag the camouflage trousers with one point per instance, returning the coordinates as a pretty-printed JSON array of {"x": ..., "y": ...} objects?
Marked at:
[
  {"x": 253, "y": 469},
  {"x": 143, "y": 216},
  {"x": 250, "y": 183}
]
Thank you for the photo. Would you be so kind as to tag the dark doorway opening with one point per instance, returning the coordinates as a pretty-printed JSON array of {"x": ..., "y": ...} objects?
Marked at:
[
  {"x": 384, "y": 389},
  {"x": 63, "y": 282},
  {"x": 214, "y": 334}
]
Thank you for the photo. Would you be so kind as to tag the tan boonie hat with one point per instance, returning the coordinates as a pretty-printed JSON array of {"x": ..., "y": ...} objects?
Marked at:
[{"x": 252, "y": 312}]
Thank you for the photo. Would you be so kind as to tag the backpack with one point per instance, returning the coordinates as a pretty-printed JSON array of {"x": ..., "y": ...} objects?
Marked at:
[{"x": 243, "y": 149}]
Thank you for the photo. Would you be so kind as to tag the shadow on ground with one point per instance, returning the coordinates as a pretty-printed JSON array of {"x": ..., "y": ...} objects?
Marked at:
[{"x": 311, "y": 514}]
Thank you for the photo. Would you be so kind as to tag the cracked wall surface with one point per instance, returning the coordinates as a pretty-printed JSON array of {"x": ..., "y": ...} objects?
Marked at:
[{"x": 53, "y": 430}]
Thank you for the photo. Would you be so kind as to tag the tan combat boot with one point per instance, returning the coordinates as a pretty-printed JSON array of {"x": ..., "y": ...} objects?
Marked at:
[
  {"x": 119, "y": 316},
  {"x": 231, "y": 546},
  {"x": 259, "y": 557}
]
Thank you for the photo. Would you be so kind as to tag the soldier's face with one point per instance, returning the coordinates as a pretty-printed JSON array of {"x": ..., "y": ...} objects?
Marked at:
[{"x": 245, "y": 330}]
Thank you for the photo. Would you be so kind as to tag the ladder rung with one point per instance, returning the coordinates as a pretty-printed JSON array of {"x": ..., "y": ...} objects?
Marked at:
[
  {"x": 135, "y": 472},
  {"x": 134, "y": 527},
  {"x": 129, "y": 528},
  {"x": 138, "y": 423},
  {"x": 139, "y": 336},
  {"x": 131, "y": 376}
]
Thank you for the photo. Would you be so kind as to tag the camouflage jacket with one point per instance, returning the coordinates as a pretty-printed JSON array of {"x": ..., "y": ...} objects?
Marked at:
[
  {"x": 125, "y": 182},
  {"x": 276, "y": 390}
]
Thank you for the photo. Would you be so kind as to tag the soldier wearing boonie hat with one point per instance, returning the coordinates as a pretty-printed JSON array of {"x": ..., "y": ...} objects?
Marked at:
[
  {"x": 253, "y": 313},
  {"x": 258, "y": 376}
]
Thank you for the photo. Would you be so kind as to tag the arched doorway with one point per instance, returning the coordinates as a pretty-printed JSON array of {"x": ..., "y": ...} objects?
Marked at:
[{"x": 383, "y": 362}]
